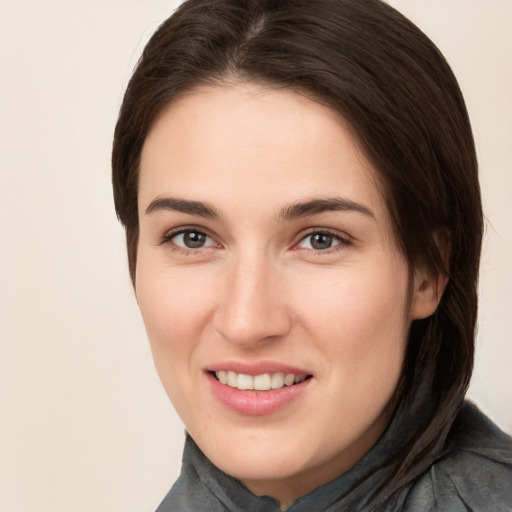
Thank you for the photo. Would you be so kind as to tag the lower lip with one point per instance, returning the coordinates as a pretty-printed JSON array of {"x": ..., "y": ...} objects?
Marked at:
[{"x": 256, "y": 403}]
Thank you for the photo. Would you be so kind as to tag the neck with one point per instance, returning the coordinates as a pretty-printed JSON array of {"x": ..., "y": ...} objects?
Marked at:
[{"x": 288, "y": 489}]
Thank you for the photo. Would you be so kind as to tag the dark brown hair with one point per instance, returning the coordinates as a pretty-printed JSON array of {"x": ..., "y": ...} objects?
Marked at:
[{"x": 388, "y": 80}]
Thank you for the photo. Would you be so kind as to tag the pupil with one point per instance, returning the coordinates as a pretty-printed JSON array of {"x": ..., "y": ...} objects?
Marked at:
[
  {"x": 321, "y": 241},
  {"x": 194, "y": 240}
]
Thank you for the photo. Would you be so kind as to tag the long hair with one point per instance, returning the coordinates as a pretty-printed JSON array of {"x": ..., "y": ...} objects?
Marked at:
[{"x": 376, "y": 69}]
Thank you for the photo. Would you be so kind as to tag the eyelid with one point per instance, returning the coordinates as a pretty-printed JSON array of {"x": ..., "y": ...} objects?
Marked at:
[
  {"x": 171, "y": 233},
  {"x": 343, "y": 239}
]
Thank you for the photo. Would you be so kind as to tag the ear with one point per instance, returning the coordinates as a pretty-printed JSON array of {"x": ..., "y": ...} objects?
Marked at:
[
  {"x": 429, "y": 284},
  {"x": 427, "y": 292}
]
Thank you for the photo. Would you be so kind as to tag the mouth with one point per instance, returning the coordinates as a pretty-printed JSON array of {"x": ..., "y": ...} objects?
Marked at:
[
  {"x": 259, "y": 387},
  {"x": 261, "y": 382}
]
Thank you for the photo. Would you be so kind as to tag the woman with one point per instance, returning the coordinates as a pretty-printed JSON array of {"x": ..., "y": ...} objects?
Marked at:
[{"x": 298, "y": 183}]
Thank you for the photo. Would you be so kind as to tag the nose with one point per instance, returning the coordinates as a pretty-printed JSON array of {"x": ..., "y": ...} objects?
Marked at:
[{"x": 253, "y": 308}]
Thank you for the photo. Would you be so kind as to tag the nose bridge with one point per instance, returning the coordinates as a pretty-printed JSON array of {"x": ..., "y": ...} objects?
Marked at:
[{"x": 253, "y": 307}]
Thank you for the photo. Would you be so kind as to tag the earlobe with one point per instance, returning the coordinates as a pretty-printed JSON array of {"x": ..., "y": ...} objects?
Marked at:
[
  {"x": 428, "y": 290},
  {"x": 430, "y": 283}
]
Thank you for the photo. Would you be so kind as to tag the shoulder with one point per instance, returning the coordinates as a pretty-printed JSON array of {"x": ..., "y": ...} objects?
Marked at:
[{"x": 474, "y": 473}]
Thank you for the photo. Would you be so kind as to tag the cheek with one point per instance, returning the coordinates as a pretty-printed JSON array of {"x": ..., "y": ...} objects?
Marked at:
[
  {"x": 359, "y": 320},
  {"x": 175, "y": 311}
]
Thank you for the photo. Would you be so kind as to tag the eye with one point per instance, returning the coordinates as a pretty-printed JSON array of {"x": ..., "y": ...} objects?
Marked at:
[
  {"x": 320, "y": 241},
  {"x": 190, "y": 239}
]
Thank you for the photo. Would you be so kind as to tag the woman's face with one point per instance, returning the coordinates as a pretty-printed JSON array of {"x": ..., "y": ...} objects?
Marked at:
[{"x": 266, "y": 257}]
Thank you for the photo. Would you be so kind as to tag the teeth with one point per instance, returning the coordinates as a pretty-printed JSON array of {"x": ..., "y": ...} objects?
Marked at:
[
  {"x": 289, "y": 379},
  {"x": 232, "y": 379},
  {"x": 277, "y": 380},
  {"x": 245, "y": 381},
  {"x": 262, "y": 382}
]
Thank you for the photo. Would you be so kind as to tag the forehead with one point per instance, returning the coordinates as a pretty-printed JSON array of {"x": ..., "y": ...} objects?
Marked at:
[{"x": 243, "y": 140}]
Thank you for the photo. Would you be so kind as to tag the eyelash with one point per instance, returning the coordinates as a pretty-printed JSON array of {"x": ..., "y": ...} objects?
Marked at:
[
  {"x": 342, "y": 241},
  {"x": 167, "y": 239}
]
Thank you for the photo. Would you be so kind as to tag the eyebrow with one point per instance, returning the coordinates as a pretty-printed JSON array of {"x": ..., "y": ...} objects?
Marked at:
[
  {"x": 294, "y": 211},
  {"x": 316, "y": 206},
  {"x": 182, "y": 205}
]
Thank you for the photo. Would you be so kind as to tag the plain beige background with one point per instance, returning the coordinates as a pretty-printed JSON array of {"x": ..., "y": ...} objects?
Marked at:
[{"x": 84, "y": 423}]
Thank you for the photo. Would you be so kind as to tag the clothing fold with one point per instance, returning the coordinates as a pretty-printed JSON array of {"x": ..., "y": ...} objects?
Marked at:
[{"x": 469, "y": 469}]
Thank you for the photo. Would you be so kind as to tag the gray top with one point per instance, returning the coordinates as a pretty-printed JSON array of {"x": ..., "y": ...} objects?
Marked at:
[{"x": 470, "y": 470}]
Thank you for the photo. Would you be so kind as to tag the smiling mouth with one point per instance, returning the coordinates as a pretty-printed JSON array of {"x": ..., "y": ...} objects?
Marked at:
[{"x": 262, "y": 382}]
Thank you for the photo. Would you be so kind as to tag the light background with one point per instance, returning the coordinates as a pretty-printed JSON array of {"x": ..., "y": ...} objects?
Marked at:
[{"x": 84, "y": 423}]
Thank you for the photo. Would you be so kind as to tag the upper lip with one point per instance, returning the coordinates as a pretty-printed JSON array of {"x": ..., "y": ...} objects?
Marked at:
[{"x": 256, "y": 367}]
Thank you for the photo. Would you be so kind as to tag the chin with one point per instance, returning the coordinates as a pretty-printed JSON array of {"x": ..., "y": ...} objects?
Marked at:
[
  {"x": 276, "y": 465},
  {"x": 256, "y": 454},
  {"x": 272, "y": 451}
]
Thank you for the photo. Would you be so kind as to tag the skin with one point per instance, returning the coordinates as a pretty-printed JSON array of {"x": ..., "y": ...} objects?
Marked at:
[{"x": 259, "y": 290}]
